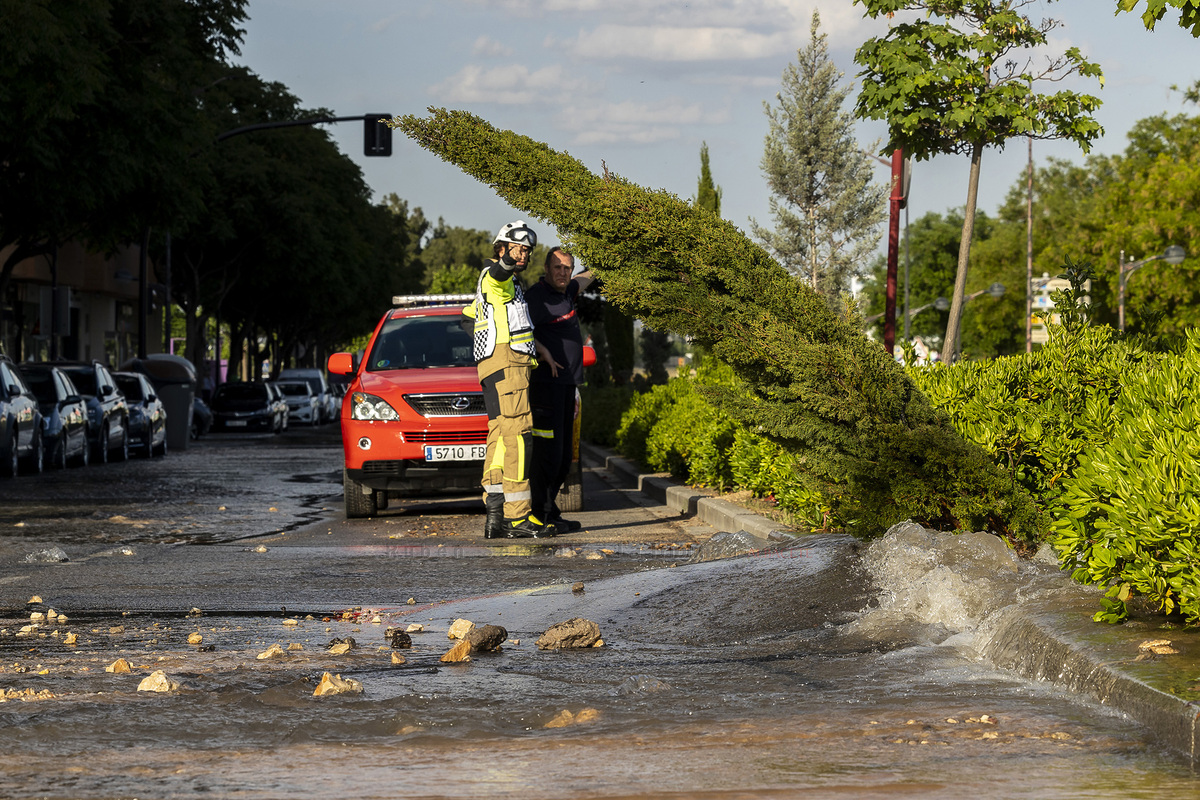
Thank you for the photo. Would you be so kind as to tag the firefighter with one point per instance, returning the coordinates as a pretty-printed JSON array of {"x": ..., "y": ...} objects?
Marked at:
[{"x": 504, "y": 351}]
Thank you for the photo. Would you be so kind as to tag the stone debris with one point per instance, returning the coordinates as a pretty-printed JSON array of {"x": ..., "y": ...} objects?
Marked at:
[
  {"x": 51, "y": 555},
  {"x": 336, "y": 684},
  {"x": 262, "y": 548},
  {"x": 37, "y": 616},
  {"x": 487, "y": 638},
  {"x": 37, "y": 598},
  {"x": 157, "y": 681},
  {"x": 566, "y": 552},
  {"x": 117, "y": 629},
  {"x": 399, "y": 640},
  {"x": 339, "y": 647},
  {"x": 274, "y": 651},
  {"x": 27, "y": 630},
  {"x": 62, "y": 619},
  {"x": 460, "y": 628},
  {"x": 25, "y": 695},
  {"x": 398, "y": 659},
  {"x": 459, "y": 653},
  {"x": 412, "y": 601},
  {"x": 573, "y": 633},
  {"x": 415, "y": 627},
  {"x": 566, "y": 718},
  {"x": 70, "y": 638},
  {"x": 291, "y": 623},
  {"x": 195, "y": 612},
  {"x": 593, "y": 555},
  {"x": 577, "y": 587},
  {"x": 195, "y": 638},
  {"x": 51, "y": 614},
  {"x": 1159, "y": 647},
  {"x": 120, "y": 666},
  {"x": 295, "y": 646}
]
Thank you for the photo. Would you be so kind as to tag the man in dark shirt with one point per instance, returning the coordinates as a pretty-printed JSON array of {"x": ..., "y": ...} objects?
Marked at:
[{"x": 552, "y": 385}]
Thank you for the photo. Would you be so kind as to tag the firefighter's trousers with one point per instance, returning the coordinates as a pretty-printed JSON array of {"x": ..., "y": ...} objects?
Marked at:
[{"x": 504, "y": 376}]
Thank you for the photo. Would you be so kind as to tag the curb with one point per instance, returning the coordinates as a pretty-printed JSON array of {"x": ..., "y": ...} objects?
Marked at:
[
  {"x": 1055, "y": 642},
  {"x": 704, "y": 505}
]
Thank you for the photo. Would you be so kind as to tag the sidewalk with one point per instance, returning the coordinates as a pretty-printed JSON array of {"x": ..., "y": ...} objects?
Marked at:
[{"x": 1048, "y": 639}]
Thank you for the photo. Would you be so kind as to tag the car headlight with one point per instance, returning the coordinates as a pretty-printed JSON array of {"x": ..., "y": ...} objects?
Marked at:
[{"x": 368, "y": 406}]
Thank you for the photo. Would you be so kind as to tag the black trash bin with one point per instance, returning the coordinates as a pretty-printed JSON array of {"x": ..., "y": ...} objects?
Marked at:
[{"x": 174, "y": 379}]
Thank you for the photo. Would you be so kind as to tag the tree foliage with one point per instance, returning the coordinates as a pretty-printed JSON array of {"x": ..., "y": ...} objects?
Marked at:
[
  {"x": 959, "y": 79},
  {"x": 813, "y": 383},
  {"x": 827, "y": 210},
  {"x": 1189, "y": 12}
]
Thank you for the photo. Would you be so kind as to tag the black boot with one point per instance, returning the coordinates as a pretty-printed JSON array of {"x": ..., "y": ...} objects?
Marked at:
[
  {"x": 493, "y": 526},
  {"x": 527, "y": 527}
]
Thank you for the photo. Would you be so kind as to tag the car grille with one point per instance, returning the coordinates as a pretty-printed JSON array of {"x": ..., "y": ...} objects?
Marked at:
[
  {"x": 446, "y": 437},
  {"x": 447, "y": 405},
  {"x": 383, "y": 467}
]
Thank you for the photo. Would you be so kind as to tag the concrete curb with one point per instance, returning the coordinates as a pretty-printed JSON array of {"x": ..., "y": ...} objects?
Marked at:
[
  {"x": 1053, "y": 642},
  {"x": 702, "y": 504}
]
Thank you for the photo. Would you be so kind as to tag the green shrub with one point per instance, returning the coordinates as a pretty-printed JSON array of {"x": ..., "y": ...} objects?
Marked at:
[
  {"x": 1129, "y": 516},
  {"x": 602, "y": 409}
]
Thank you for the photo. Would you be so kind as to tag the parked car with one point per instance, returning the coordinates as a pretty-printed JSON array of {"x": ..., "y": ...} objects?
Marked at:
[
  {"x": 245, "y": 405},
  {"x": 302, "y": 403},
  {"x": 64, "y": 415},
  {"x": 20, "y": 423},
  {"x": 281, "y": 405},
  {"x": 202, "y": 418},
  {"x": 147, "y": 414},
  {"x": 108, "y": 415},
  {"x": 315, "y": 378}
]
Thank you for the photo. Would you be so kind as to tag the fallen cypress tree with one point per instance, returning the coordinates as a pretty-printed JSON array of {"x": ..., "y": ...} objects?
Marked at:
[{"x": 861, "y": 430}]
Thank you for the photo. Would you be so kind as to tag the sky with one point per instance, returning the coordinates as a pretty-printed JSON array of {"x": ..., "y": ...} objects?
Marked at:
[{"x": 639, "y": 85}]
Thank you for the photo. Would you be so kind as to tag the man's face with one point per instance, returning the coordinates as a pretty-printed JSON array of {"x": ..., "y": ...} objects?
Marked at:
[
  {"x": 518, "y": 253},
  {"x": 558, "y": 272}
]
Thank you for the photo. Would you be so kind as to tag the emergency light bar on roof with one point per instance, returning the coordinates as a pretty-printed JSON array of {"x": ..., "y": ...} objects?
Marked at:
[{"x": 418, "y": 300}]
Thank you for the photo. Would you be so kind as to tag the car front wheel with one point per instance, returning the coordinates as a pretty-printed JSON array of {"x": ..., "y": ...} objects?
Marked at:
[
  {"x": 35, "y": 462},
  {"x": 360, "y": 501},
  {"x": 123, "y": 450}
]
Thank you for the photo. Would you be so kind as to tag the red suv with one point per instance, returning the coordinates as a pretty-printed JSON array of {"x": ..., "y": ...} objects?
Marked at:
[{"x": 413, "y": 417}]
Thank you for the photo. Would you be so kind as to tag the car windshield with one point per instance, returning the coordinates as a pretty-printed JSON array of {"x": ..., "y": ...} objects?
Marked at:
[
  {"x": 130, "y": 387},
  {"x": 242, "y": 391},
  {"x": 300, "y": 389},
  {"x": 41, "y": 383},
  {"x": 415, "y": 342},
  {"x": 84, "y": 379}
]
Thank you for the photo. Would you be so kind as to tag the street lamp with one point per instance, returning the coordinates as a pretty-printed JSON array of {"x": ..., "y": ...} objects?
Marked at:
[{"x": 1173, "y": 255}]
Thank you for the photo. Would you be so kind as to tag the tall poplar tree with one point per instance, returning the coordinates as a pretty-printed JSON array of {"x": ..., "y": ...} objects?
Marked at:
[
  {"x": 708, "y": 194},
  {"x": 959, "y": 78},
  {"x": 827, "y": 210}
]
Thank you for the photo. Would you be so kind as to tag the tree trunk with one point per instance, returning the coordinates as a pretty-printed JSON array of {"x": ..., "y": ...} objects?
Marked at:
[{"x": 950, "y": 345}]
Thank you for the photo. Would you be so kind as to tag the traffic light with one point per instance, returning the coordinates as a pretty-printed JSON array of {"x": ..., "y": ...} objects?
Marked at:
[{"x": 377, "y": 136}]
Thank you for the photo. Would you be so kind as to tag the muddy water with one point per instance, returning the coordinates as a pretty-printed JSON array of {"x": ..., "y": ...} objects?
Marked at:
[{"x": 782, "y": 674}]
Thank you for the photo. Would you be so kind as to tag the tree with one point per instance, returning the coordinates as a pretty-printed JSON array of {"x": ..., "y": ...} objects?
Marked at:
[
  {"x": 1189, "y": 12},
  {"x": 827, "y": 210},
  {"x": 964, "y": 83},
  {"x": 809, "y": 379},
  {"x": 708, "y": 195}
]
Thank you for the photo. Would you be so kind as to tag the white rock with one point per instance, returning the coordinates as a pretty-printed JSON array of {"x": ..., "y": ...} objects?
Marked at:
[
  {"x": 416, "y": 627},
  {"x": 274, "y": 651},
  {"x": 460, "y": 629},
  {"x": 291, "y": 623},
  {"x": 157, "y": 681},
  {"x": 336, "y": 684}
]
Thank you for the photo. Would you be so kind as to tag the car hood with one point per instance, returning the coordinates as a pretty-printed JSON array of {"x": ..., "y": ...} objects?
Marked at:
[{"x": 436, "y": 380}]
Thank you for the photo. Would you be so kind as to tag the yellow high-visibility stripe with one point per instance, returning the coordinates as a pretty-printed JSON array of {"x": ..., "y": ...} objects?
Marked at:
[
  {"x": 543, "y": 433},
  {"x": 498, "y": 458}
]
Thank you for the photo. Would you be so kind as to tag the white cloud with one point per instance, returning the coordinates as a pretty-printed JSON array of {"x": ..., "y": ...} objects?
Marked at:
[
  {"x": 638, "y": 123},
  {"x": 623, "y": 42},
  {"x": 511, "y": 84},
  {"x": 489, "y": 47}
]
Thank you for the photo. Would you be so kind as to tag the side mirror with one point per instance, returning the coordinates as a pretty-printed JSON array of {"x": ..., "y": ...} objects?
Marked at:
[
  {"x": 589, "y": 355},
  {"x": 105, "y": 391},
  {"x": 341, "y": 364}
]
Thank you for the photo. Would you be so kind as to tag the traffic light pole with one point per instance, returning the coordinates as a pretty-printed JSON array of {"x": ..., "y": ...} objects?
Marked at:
[{"x": 377, "y": 137}]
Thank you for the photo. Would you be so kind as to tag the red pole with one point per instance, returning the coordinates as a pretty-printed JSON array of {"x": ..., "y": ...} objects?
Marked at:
[{"x": 893, "y": 256}]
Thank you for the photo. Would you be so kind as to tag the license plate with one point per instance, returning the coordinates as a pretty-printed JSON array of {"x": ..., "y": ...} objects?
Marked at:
[
  {"x": 236, "y": 423},
  {"x": 455, "y": 452}
]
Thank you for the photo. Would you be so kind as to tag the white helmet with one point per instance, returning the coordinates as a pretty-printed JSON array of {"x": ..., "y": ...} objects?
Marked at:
[{"x": 517, "y": 233}]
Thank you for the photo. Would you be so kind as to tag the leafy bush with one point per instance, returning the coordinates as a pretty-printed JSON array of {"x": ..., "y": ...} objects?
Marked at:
[
  {"x": 1130, "y": 514},
  {"x": 603, "y": 407}
]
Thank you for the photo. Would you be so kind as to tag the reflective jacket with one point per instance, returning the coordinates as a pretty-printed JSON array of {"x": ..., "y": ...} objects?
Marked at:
[{"x": 501, "y": 316}]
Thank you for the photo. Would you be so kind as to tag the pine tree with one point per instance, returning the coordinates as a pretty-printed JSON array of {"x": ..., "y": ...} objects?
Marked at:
[
  {"x": 708, "y": 195},
  {"x": 827, "y": 210},
  {"x": 811, "y": 380}
]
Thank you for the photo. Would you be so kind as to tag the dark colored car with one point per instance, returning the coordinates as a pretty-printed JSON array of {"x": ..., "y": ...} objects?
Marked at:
[
  {"x": 147, "y": 414},
  {"x": 108, "y": 415},
  {"x": 202, "y": 418},
  {"x": 64, "y": 415},
  {"x": 20, "y": 423},
  {"x": 243, "y": 406}
]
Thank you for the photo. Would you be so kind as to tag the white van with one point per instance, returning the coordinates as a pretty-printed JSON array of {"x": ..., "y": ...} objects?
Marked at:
[{"x": 326, "y": 402}]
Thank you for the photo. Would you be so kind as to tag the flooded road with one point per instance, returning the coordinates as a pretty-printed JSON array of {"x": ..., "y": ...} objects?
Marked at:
[{"x": 781, "y": 674}]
